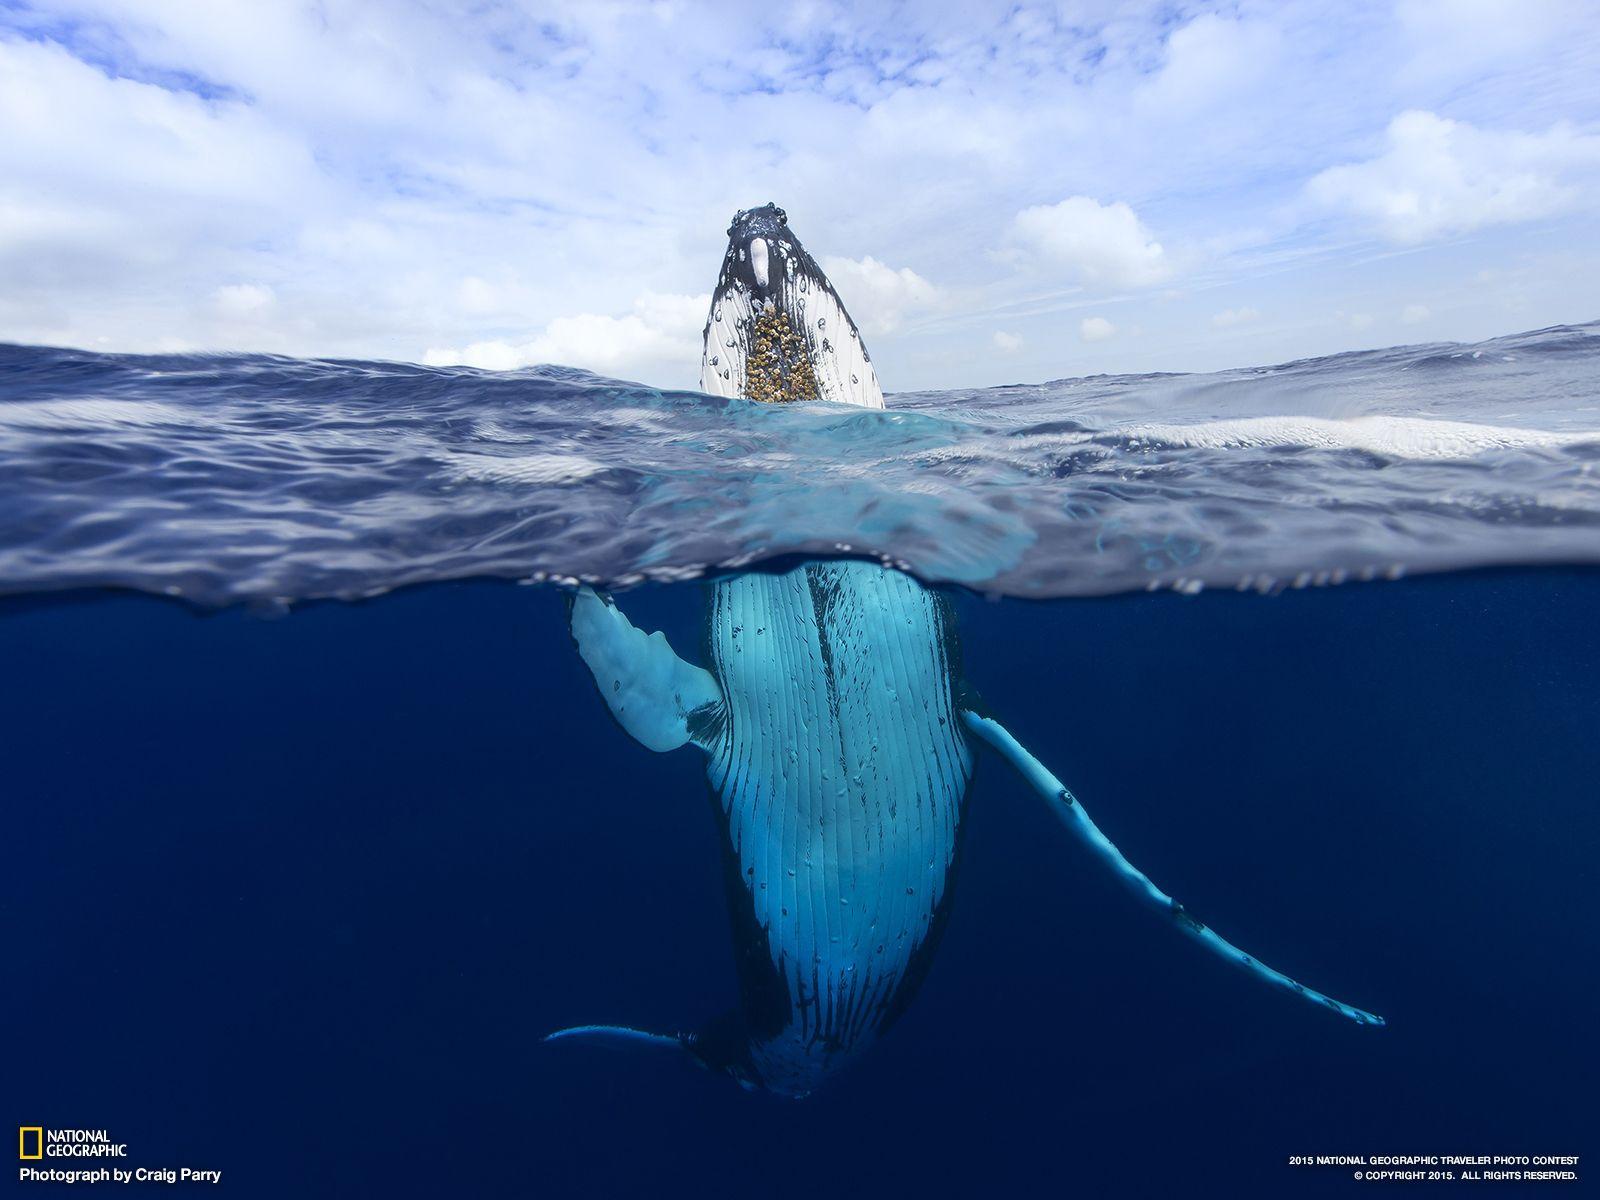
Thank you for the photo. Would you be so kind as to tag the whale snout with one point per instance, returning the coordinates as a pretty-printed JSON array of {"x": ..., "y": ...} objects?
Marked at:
[
  {"x": 765, "y": 221},
  {"x": 777, "y": 331},
  {"x": 758, "y": 242}
]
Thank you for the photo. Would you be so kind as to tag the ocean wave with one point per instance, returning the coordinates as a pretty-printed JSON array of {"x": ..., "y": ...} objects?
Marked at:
[{"x": 253, "y": 478}]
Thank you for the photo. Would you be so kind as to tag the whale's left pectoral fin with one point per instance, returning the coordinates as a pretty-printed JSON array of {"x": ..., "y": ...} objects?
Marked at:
[
  {"x": 662, "y": 701},
  {"x": 1072, "y": 815}
]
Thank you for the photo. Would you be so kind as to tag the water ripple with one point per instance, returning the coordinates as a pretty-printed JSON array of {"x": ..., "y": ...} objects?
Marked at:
[{"x": 270, "y": 480}]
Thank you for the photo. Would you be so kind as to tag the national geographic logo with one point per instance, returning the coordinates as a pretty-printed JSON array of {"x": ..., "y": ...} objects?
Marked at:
[{"x": 36, "y": 1142}]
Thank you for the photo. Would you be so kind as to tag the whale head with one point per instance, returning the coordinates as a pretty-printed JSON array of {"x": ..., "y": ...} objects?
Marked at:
[{"x": 777, "y": 331}]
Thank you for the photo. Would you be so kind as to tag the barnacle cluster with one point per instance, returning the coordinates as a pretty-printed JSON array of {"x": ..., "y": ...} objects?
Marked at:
[{"x": 778, "y": 367}]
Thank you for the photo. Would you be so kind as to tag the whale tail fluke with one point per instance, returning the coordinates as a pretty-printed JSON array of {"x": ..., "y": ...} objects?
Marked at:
[
  {"x": 721, "y": 1046},
  {"x": 620, "y": 1035},
  {"x": 1070, "y": 811}
]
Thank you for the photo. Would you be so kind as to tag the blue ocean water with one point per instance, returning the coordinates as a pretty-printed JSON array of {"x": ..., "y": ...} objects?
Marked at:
[{"x": 316, "y": 823}]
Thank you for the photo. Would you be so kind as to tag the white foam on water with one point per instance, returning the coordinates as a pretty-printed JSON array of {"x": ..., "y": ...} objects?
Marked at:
[{"x": 1391, "y": 437}]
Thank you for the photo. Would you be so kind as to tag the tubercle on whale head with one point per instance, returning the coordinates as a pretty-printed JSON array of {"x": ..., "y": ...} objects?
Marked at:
[
  {"x": 762, "y": 252},
  {"x": 777, "y": 331}
]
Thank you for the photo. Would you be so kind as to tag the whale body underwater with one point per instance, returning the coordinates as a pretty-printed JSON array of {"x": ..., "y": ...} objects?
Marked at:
[{"x": 838, "y": 729}]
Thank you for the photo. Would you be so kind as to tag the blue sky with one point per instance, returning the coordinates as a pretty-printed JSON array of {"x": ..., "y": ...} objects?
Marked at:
[{"x": 1001, "y": 193}]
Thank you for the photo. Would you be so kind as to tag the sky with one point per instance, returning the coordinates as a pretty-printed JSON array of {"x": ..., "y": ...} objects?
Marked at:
[{"x": 1001, "y": 193}]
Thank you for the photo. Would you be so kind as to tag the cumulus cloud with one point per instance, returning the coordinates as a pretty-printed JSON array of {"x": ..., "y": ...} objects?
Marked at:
[
  {"x": 877, "y": 296},
  {"x": 1438, "y": 177},
  {"x": 1007, "y": 343},
  {"x": 1096, "y": 329},
  {"x": 1103, "y": 244},
  {"x": 1414, "y": 314},
  {"x": 661, "y": 332},
  {"x": 1230, "y": 317}
]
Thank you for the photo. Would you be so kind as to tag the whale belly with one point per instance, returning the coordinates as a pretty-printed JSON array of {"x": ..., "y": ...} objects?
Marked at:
[{"x": 841, "y": 771}]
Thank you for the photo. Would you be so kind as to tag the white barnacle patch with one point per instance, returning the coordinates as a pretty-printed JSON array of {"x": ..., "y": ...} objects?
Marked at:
[{"x": 758, "y": 260}]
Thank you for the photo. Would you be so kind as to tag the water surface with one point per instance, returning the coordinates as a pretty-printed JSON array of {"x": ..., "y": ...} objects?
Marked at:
[{"x": 294, "y": 887}]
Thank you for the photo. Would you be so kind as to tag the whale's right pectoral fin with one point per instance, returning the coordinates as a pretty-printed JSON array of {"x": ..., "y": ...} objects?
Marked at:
[
  {"x": 662, "y": 701},
  {"x": 1070, "y": 811}
]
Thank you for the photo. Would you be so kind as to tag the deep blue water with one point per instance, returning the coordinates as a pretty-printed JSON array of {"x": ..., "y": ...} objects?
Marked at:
[
  {"x": 297, "y": 898},
  {"x": 294, "y": 890}
]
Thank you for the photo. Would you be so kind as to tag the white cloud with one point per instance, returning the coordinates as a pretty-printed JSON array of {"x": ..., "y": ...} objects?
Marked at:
[
  {"x": 1439, "y": 177},
  {"x": 1230, "y": 317},
  {"x": 243, "y": 301},
  {"x": 1007, "y": 343},
  {"x": 661, "y": 333},
  {"x": 1413, "y": 314},
  {"x": 1103, "y": 244},
  {"x": 1357, "y": 321},
  {"x": 1212, "y": 58},
  {"x": 876, "y": 296},
  {"x": 1096, "y": 329}
]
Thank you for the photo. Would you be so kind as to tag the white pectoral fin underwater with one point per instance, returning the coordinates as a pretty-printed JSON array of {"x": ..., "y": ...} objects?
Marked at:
[
  {"x": 654, "y": 695},
  {"x": 1071, "y": 813},
  {"x": 837, "y": 727}
]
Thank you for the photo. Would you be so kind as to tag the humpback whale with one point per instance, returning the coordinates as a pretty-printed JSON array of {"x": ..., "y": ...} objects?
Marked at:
[{"x": 838, "y": 729}]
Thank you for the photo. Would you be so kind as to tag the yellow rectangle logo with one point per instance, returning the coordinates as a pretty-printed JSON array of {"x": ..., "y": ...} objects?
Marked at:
[{"x": 38, "y": 1141}]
